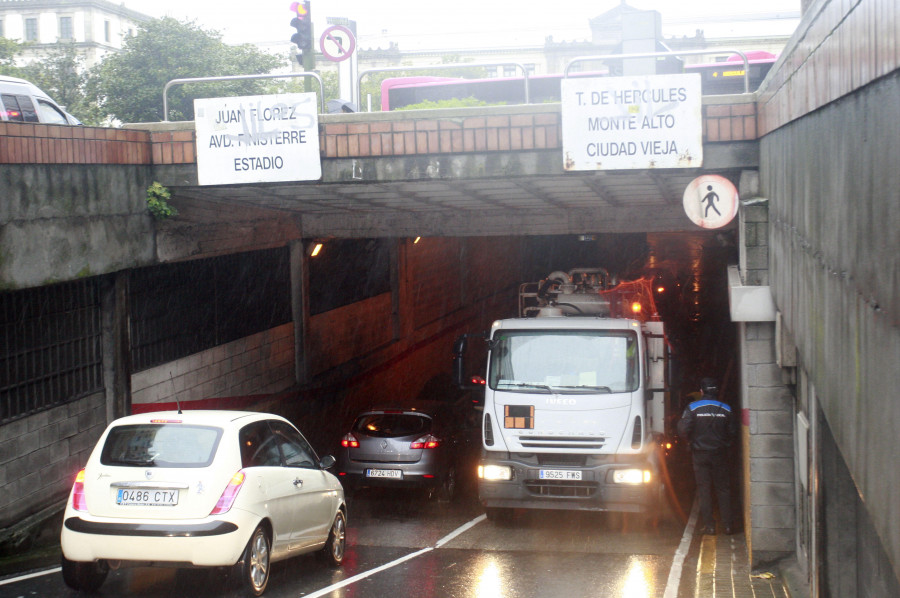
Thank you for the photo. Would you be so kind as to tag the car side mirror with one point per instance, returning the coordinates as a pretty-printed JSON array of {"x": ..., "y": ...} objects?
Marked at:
[{"x": 326, "y": 462}]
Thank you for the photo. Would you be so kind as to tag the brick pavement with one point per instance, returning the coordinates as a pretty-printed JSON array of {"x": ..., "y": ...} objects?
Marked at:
[{"x": 723, "y": 571}]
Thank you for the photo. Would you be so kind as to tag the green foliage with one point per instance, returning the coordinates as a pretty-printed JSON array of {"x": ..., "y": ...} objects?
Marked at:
[
  {"x": 371, "y": 84},
  {"x": 449, "y": 103},
  {"x": 130, "y": 84},
  {"x": 158, "y": 201},
  {"x": 9, "y": 50},
  {"x": 61, "y": 75}
]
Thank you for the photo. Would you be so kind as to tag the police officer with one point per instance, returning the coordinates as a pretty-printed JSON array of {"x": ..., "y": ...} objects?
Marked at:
[{"x": 710, "y": 425}]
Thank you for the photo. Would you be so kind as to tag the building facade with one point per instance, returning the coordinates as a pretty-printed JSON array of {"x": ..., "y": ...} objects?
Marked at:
[{"x": 96, "y": 27}]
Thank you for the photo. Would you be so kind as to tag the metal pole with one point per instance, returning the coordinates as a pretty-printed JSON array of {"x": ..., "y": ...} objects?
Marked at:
[
  {"x": 673, "y": 53},
  {"x": 441, "y": 67},
  {"x": 237, "y": 78}
]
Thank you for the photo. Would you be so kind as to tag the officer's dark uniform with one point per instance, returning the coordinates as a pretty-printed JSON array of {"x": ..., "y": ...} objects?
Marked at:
[{"x": 710, "y": 426}]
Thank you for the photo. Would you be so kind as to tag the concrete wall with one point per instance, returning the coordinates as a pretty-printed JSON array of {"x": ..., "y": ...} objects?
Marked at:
[
  {"x": 829, "y": 167},
  {"x": 39, "y": 455},
  {"x": 61, "y": 222},
  {"x": 766, "y": 402},
  {"x": 258, "y": 364}
]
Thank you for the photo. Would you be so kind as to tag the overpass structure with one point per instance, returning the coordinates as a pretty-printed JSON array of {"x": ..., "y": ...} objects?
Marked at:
[{"x": 813, "y": 154}]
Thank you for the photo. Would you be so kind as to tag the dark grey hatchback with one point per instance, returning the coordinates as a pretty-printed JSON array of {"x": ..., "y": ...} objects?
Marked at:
[{"x": 424, "y": 446}]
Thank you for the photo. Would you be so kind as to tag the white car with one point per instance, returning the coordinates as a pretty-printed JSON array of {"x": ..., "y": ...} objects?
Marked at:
[
  {"x": 201, "y": 488},
  {"x": 22, "y": 101}
]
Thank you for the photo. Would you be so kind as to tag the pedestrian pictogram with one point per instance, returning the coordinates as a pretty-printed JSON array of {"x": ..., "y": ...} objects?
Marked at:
[{"x": 710, "y": 201}]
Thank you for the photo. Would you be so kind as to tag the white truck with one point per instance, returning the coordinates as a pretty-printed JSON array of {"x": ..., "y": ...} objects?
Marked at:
[{"x": 575, "y": 398}]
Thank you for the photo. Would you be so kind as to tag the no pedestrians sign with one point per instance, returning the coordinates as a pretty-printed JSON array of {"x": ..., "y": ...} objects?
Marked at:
[{"x": 637, "y": 122}]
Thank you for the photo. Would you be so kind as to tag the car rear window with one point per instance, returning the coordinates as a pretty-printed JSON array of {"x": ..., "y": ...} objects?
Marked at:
[
  {"x": 389, "y": 425},
  {"x": 161, "y": 445}
]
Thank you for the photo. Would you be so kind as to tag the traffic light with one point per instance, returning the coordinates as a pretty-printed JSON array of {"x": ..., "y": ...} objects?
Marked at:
[{"x": 303, "y": 24}]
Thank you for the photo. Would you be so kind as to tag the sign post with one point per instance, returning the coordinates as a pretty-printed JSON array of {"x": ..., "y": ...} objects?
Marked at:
[
  {"x": 257, "y": 139},
  {"x": 638, "y": 122}
]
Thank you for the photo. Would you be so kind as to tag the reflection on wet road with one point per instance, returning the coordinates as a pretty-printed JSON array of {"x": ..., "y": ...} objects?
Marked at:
[{"x": 410, "y": 545}]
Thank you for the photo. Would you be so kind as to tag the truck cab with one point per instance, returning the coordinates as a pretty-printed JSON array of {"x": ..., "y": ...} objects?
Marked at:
[{"x": 574, "y": 408}]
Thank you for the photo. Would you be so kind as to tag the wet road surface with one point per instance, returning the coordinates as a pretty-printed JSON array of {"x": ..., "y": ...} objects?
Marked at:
[{"x": 405, "y": 545}]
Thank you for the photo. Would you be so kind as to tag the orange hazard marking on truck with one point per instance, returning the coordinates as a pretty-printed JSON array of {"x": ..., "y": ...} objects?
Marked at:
[{"x": 518, "y": 417}]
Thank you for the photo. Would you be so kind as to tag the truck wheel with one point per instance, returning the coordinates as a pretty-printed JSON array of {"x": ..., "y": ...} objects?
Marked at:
[
  {"x": 84, "y": 577},
  {"x": 501, "y": 515}
]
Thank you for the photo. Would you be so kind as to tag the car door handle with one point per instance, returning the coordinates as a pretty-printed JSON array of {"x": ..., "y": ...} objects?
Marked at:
[{"x": 298, "y": 482}]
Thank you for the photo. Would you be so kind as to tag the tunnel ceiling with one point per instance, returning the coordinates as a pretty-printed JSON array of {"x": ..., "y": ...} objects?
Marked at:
[{"x": 567, "y": 203}]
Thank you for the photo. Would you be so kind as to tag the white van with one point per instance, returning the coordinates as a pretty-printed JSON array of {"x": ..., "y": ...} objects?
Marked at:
[{"x": 24, "y": 102}]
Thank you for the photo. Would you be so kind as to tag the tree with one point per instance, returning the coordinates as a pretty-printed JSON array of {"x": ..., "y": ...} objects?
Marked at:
[
  {"x": 61, "y": 75},
  {"x": 129, "y": 85},
  {"x": 9, "y": 49}
]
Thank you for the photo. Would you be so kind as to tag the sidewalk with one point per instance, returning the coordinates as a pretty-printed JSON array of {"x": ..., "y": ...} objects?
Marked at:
[{"x": 723, "y": 571}]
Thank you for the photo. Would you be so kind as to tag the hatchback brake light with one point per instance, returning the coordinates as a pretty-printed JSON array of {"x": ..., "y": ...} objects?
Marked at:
[
  {"x": 349, "y": 441},
  {"x": 426, "y": 442},
  {"x": 79, "y": 502},
  {"x": 229, "y": 494}
]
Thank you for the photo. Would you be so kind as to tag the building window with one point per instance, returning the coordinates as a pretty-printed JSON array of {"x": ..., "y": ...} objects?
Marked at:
[
  {"x": 509, "y": 70},
  {"x": 530, "y": 68},
  {"x": 106, "y": 31},
  {"x": 31, "y": 29},
  {"x": 65, "y": 28}
]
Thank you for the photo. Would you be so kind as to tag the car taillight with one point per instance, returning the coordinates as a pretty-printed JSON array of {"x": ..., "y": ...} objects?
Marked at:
[
  {"x": 79, "y": 502},
  {"x": 229, "y": 494},
  {"x": 349, "y": 441},
  {"x": 425, "y": 442}
]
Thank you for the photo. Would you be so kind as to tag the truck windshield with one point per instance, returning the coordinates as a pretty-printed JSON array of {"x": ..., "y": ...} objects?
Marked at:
[{"x": 564, "y": 361}]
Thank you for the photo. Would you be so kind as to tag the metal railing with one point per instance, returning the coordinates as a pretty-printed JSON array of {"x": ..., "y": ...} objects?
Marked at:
[
  {"x": 743, "y": 56},
  {"x": 238, "y": 78},
  {"x": 441, "y": 67}
]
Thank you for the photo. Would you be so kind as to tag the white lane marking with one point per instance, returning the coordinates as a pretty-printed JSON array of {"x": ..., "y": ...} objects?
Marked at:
[
  {"x": 30, "y": 576},
  {"x": 461, "y": 529},
  {"x": 680, "y": 554}
]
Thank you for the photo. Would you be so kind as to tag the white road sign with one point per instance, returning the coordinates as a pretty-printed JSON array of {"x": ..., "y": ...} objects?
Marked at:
[
  {"x": 257, "y": 139},
  {"x": 636, "y": 122},
  {"x": 710, "y": 201}
]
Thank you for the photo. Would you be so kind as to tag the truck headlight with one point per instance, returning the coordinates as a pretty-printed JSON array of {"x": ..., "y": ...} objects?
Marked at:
[
  {"x": 495, "y": 472},
  {"x": 632, "y": 476}
]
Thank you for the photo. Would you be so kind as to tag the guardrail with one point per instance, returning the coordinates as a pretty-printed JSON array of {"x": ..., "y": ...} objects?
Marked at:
[
  {"x": 238, "y": 78},
  {"x": 743, "y": 56},
  {"x": 441, "y": 67}
]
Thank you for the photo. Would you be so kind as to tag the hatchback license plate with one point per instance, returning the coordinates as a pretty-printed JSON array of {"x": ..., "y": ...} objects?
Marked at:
[
  {"x": 394, "y": 474},
  {"x": 146, "y": 497},
  {"x": 560, "y": 474}
]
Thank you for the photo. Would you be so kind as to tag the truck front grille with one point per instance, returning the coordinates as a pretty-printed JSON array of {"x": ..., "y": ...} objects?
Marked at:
[
  {"x": 564, "y": 442},
  {"x": 561, "y": 488}
]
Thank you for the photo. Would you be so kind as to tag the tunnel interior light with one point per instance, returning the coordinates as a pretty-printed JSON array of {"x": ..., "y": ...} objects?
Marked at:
[
  {"x": 416, "y": 240},
  {"x": 315, "y": 250}
]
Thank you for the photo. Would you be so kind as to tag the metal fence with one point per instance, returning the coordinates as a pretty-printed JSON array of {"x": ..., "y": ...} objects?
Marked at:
[{"x": 50, "y": 347}]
